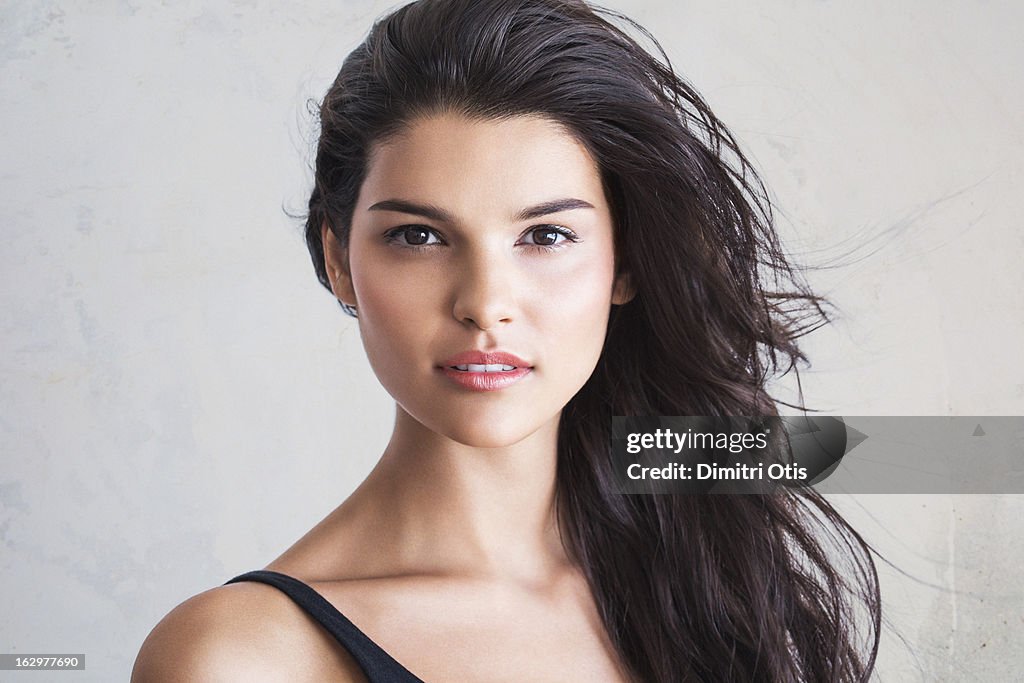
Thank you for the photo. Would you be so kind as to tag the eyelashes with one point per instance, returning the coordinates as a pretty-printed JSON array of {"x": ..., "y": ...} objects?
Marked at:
[
  {"x": 413, "y": 236},
  {"x": 548, "y": 237}
]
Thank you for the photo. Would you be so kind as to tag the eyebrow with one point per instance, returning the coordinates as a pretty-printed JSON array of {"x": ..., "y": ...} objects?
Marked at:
[{"x": 438, "y": 214}]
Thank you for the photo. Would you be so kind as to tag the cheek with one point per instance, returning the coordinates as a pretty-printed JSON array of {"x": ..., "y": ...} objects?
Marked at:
[
  {"x": 389, "y": 296},
  {"x": 397, "y": 314},
  {"x": 575, "y": 313}
]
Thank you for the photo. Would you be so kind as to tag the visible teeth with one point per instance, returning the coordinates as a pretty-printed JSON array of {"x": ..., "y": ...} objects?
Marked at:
[{"x": 473, "y": 367}]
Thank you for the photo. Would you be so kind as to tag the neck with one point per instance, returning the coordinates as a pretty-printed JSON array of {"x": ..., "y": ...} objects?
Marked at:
[{"x": 445, "y": 507}]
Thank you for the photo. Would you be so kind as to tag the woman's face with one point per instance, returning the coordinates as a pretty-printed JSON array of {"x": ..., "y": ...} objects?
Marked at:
[{"x": 481, "y": 264}]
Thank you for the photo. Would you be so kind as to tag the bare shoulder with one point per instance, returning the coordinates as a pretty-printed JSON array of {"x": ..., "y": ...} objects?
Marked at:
[{"x": 241, "y": 632}]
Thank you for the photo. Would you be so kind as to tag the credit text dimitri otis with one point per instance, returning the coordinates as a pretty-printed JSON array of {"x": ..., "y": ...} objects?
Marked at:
[{"x": 667, "y": 440}]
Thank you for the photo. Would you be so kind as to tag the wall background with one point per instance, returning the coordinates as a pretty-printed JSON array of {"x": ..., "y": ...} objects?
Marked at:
[{"x": 180, "y": 400}]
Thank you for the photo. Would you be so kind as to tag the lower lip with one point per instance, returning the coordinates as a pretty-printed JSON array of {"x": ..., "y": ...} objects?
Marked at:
[{"x": 485, "y": 381}]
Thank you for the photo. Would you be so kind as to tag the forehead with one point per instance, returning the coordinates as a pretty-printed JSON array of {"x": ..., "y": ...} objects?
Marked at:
[{"x": 482, "y": 164}]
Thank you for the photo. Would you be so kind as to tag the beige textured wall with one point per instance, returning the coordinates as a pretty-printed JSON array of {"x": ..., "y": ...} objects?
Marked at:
[{"x": 180, "y": 399}]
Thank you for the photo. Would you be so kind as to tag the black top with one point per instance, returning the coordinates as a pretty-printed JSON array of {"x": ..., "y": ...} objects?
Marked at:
[{"x": 378, "y": 665}]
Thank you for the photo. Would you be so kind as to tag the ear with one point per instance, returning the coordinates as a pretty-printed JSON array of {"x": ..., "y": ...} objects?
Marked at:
[
  {"x": 623, "y": 291},
  {"x": 336, "y": 262}
]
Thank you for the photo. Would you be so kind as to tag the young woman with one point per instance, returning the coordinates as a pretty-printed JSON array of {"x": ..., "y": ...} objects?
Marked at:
[{"x": 538, "y": 226}]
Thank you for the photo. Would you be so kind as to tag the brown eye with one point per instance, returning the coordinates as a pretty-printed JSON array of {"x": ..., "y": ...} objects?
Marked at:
[
  {"x": 413, "y": 236},
  {"x": 416, "y": 235},
  {"x": 548, "y": 236},
  {"x": 545, "y": 236}
]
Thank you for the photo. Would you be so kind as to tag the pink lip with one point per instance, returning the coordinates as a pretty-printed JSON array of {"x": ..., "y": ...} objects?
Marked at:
[{"x": 485, "y": 381}]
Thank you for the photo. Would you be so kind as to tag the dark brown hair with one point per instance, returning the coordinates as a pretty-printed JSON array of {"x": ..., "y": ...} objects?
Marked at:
[{"x": 772, "y": 587}]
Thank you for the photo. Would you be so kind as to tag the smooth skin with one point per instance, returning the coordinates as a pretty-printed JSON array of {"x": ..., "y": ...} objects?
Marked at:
[{"x": 467, "y": 235}]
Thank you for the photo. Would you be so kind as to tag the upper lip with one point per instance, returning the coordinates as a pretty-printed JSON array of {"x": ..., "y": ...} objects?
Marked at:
[{"x": 486, "y": 358}]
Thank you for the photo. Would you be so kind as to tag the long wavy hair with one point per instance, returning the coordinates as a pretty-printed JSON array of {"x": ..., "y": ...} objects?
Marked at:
[{"x": 770, "y": 587}]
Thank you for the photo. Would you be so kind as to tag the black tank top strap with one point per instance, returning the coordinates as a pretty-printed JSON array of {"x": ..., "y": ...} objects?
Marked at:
[{"x": 378, "y": 665}]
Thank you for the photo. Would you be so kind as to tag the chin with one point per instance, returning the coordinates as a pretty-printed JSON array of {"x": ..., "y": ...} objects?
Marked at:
[
  {"x": 476, "y": 437},
  {"x": 487, "y": 433}
]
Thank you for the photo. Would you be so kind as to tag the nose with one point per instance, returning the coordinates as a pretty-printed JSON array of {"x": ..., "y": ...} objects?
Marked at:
[{"x": 485, "y": 292}]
